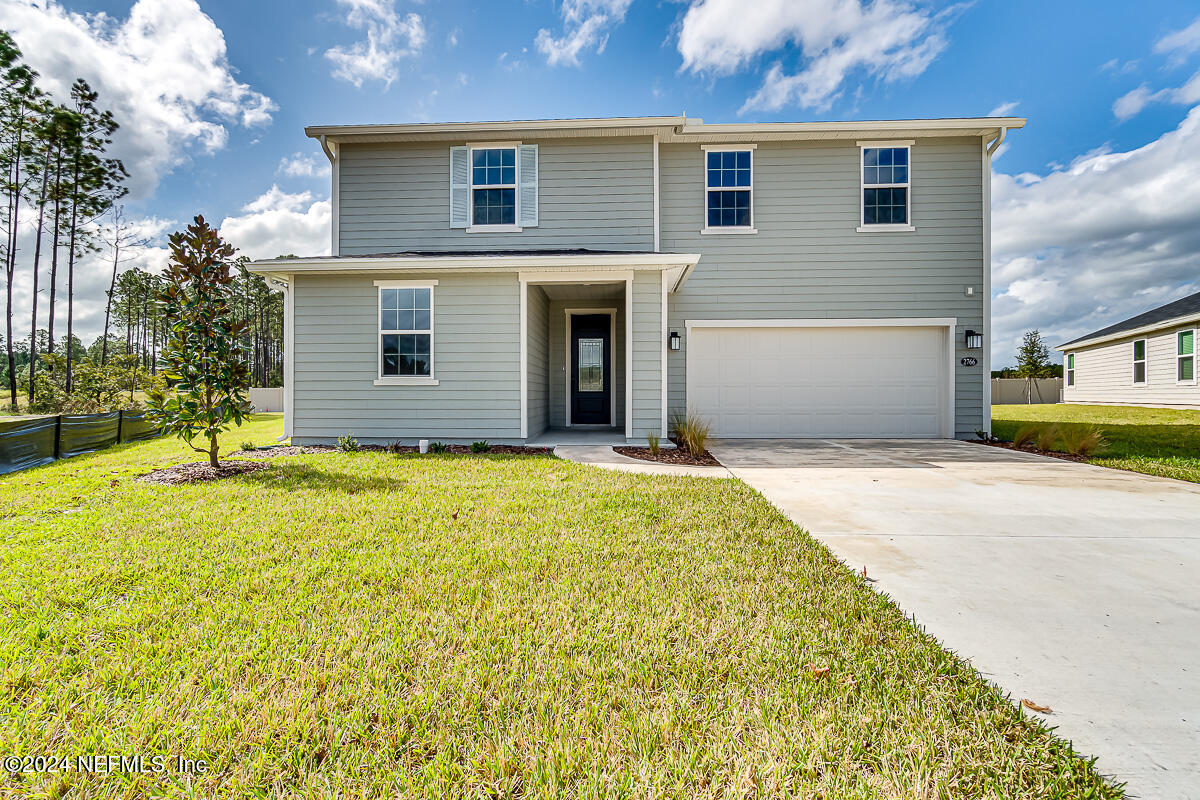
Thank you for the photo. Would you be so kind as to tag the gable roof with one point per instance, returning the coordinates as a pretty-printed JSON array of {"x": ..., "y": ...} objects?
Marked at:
[{"x": 1178, "y": 312}]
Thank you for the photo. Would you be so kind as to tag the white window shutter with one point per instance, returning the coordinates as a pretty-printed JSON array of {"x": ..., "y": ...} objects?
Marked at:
[
  {"x": 527, "y": 190},
  {"x": 460, "y": 187}
]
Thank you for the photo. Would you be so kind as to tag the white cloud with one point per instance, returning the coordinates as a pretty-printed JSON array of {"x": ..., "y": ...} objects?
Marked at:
[
  {"x": 1110, "y": 236},
  {"x": 888, "y": 39},
  {"x": 1004, "y": 109},
  {"x": 1133, "y": 102},
  {"x": 162, "y": 71},
  {"x": 1180, "y": 44},
  {"x": 278, "y": 223},
  {"x": 586, "y": 25},
  {"x": 390, "y": 38},
  {"x": 300, "y": 165}
]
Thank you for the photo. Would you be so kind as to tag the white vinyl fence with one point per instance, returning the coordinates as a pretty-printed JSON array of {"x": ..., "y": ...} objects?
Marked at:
[
  {"x": 1009, "y": 391},
  {"x": 266, "y": 400}
]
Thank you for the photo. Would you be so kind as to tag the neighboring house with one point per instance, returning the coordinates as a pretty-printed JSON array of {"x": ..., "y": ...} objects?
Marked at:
[
  {"x": 509, "y": 280},
  {"x": 1147, "y": 360}
]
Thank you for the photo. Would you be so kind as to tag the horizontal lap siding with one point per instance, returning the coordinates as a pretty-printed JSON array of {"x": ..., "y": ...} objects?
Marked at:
[
  {"x": 593, "y": 193},
  {"x": 476, "y": 361},
  {"x": 1104, "y": 373},
  {"x": 537, "y": 339},
  {"x": 808, "y": 261},
  {"x": 647, "y": 353}
]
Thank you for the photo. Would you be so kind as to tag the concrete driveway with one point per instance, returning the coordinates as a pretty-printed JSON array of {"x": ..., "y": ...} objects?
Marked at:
[{"x": 1077, "y": 587}]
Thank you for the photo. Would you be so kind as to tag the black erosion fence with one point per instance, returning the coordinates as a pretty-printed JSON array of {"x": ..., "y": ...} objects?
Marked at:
[{"x": 26, "y": 443}]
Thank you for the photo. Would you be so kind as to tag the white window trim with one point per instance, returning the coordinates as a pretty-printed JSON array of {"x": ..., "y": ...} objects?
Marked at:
[
  {"x": 1179, "y": 357},
  {"x": 1068, "y": 370},
  {"x": 721, "y": 230},
  {"x": 404, "y": 380},
  {"x": 1134, "y": 361},
  {"x": 471, "y": 187},
  {"x": 863, "y": 227}
]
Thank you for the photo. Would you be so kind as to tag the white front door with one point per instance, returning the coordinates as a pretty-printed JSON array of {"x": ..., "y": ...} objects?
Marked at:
[{"x": 820, "y": 382}]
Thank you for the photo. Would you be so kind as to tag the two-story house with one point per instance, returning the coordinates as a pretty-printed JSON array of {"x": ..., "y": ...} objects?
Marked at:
[{"x": 509, "y": 280}]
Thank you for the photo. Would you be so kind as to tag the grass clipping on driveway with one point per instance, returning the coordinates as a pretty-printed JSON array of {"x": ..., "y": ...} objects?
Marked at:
[{"x": 379, "y": 625}]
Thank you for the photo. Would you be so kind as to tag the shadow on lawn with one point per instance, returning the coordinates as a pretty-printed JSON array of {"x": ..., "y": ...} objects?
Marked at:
[{"x": 328, "y": 477}]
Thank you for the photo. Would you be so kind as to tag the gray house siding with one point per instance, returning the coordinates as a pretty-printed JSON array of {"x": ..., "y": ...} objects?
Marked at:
[
  {"x": 647, "y": 354},
  {"x": 593, "y": 193},
  {"x": 1104, "y": 372},
  {"x": 538, "y": 362},
  {"x": 808, "y": 261},
  {"x": 476, "y": 362}
]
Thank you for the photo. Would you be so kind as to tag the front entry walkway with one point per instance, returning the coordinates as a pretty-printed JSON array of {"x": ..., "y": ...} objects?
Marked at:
[{"x": 1071, "y": 585}]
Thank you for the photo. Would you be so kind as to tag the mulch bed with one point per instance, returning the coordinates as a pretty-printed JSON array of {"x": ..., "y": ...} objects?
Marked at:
[
  {"x": 1034, "y": 451},
  {"x": 679, "y": 455},
  {"x": 200, "y": 472}
]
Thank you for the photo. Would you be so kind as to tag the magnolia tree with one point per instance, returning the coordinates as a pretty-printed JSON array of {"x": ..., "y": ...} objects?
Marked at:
[{"x": 203, "y": 359}]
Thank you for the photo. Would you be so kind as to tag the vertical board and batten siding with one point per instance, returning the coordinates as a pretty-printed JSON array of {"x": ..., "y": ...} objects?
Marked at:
[
  {"x": 808, "y": 261},
  {"x": 558, "y": 357},
  {"x": 476, "y": 361},
  {"x": 1104, "y": 373},
  {"x": 592, "y": 193},
  {"x": 537, "y": 363}
]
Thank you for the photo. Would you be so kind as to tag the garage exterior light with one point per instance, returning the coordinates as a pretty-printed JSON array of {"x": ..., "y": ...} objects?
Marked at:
[
  {"x": 673, "y": 340},
  {"x": 974, "y": 340}
]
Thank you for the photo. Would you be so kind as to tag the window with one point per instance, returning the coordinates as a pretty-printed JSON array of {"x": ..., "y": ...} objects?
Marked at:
[
  {"x": 1185, "y": 356},
  {"x": 494, "y": 186},
  {"x": 885, "y": 188},
  {"x": 405, "y": 332},
  {"x": 728, "y": 183},
  {"x": 1070, "y": 369},
  {"x": 1139, "y": 361}
]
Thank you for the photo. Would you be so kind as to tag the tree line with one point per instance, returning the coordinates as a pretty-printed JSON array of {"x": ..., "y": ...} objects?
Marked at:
[{"x": 62, "y": 191}]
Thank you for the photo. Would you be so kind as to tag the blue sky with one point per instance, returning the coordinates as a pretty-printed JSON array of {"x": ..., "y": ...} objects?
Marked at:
[{"x": 1095, "y": 216}]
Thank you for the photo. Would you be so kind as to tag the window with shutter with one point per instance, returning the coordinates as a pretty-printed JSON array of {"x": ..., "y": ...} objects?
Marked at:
[
  {"x": 494, "y": 187},
  {"x": 460, "y": 187}
]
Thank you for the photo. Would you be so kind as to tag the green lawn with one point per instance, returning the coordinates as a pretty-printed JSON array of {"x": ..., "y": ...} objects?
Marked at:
[
  {"x": 386, "y": 626},
  {"x": 1156, "y": 441}
]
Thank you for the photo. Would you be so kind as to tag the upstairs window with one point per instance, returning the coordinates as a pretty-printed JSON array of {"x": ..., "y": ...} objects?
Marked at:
[
  {"x": 885, "y": 188},
  {"x": 1139, "y": 361},
  {"x": 728, "y": 184},
  {"x": 1185, "y": 356},
  {"x": 1070, "y": 369},
  {"x": 494, "y": 186}
]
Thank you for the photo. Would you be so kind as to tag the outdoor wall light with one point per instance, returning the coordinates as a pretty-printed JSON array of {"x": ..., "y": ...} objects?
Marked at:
[
  {"x": 673, "y": 340},
  {"x": 974, "y": 340}
]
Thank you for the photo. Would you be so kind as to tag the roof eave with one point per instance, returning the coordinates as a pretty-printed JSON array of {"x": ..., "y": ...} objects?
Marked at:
[
  {"x": 1092, "y": 341},
  {"x": 491, "y": 263}
]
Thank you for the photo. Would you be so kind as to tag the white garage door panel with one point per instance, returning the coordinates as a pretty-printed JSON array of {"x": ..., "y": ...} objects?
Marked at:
[{"x": 819, "y": 382}]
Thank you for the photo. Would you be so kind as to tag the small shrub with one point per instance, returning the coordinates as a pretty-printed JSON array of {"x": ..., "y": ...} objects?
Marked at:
[
  {"x": 1083, "y": 440},
  {"x": 438, "y": 447},
  {"x": 1024, "y": 435},
  {"x": 347, "y": 443},
  {"x": 1046, "y": 438},
  {"x": 691, "y": 432},
  {"x": 480, "y": 447},
  {"x": 652, "y": 441},
  {"x": 249, "y": 446},
  {"x": 395, "y": 447}
]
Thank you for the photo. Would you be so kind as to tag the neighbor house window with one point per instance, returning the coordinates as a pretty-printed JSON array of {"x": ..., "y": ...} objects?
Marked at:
[
  {"x": 885, "y": 187},
  {"x": 728, "y": 185},
  {"x": 405, "y": 331},
  {"x": 1139, "y": 361},
  {"x": 1070, "y": 369},
  {"x": 1185, "y": 356},
  {"x": 494, "y": 186}
]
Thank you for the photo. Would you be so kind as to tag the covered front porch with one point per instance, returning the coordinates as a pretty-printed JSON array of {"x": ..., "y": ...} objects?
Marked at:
[{"x": 594, "y": 355}]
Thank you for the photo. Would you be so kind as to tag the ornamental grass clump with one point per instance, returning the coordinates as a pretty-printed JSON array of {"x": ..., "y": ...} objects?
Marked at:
[
  {"x": 1046, "y": 438},
  {"x": 1083, "y": 440},
  {"x": 1024, "y": 435},
  {"x": 691, "y": 432}
]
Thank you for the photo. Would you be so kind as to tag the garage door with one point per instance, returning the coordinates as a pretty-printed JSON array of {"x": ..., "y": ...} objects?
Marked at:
[{"x": 819, "y": 382}]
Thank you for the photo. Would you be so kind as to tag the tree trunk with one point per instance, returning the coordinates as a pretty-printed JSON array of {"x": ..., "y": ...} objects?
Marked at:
[
  {"x": 112, "y": 288},
  {"x": 54, "y": 246},
  {"x": 37, "y": 257},
  {"x": 212, "y": 452},
  {"x": 10, "y": 265},
  {"x": 71, "y": 273}
]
